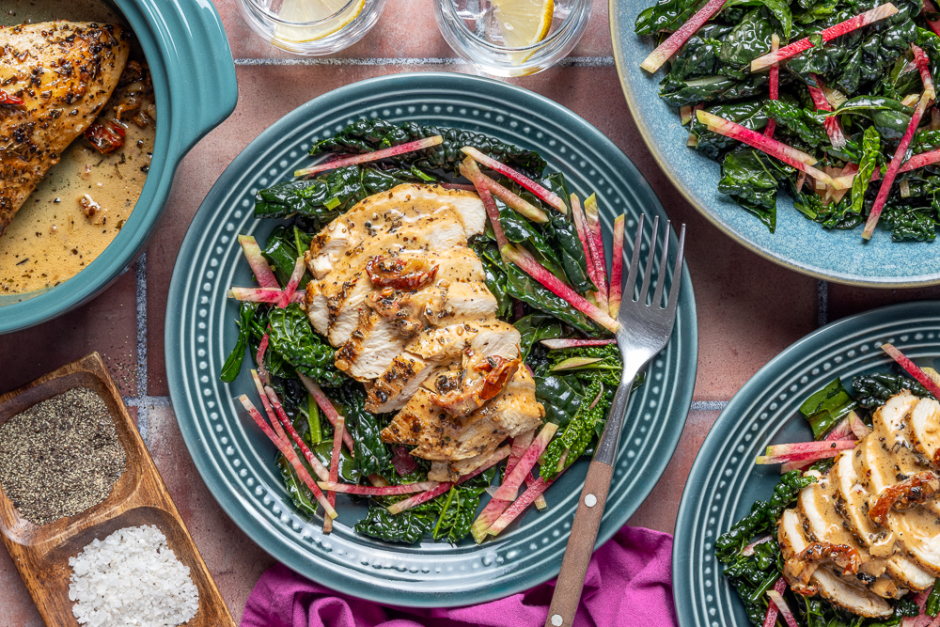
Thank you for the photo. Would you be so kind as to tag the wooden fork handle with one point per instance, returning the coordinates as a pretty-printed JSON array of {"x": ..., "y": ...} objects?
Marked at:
[{"x": 587, "y": 520}]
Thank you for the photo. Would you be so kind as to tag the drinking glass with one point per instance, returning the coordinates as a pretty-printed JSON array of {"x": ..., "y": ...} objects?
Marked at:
[
  {"x": 274, "y": 21},
  {"x": 471, "y": 29}
]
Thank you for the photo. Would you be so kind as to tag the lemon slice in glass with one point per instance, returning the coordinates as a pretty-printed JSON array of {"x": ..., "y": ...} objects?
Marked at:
[
  {"x": 523, "y": 22},
  {"x": 314, "y": 11}
]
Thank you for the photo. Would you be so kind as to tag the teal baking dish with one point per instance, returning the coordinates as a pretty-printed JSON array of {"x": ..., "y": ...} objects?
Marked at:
[{"x": 195, "y": 89}]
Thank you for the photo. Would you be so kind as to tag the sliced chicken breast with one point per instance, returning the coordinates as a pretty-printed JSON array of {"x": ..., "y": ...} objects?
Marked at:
[
  {"x": 399, "y": 382},
  {"x": 854, "y": 599},
  {"x": 371, "y": 348},
  {"x": 925, "y": 428}
]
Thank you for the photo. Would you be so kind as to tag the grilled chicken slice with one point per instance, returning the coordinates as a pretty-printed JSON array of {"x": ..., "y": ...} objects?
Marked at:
[
  {"x": 823, "y": 523},
  {"x": 451, "y": 471},
  {"x": 490, "y": 338},
  {"x": 925, "y": 428},
  {"x": 440, "y": 436},
  {"x": 854, "y": 599},
  {"x": 63, "y": 73},
  {"x": 371, "y": 347},
  {"x": 399, "y": 382}
]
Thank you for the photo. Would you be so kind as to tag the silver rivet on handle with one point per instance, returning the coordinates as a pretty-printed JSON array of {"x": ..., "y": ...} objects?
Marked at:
[{"x": 590, "y": 500}]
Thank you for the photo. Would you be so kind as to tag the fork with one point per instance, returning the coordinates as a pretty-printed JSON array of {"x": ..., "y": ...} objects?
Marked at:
[{"x": 643, "y": 333}]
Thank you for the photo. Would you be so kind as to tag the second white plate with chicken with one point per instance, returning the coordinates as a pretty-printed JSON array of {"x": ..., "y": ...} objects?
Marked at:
[{"x": 406, "y": 289}]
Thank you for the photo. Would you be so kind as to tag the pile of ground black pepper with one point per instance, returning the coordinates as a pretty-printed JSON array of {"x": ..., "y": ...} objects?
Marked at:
[{"x": 60, "y": 456}]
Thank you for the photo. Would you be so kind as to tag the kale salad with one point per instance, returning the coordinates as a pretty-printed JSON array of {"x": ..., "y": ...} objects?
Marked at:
[
  {"x": 757, "y": 561},
  {"x": 575, "y": 380},
  {"x": 829, "y": 101}
]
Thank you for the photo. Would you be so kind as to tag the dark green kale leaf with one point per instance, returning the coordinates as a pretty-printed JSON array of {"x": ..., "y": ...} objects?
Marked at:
[
  {"x": 562, "y": 236},
  {"x": 751, "y": 177},
  {"x": 372, "y": 455},
  {"x": 371, "y": 135},
  {"x": 749, "y": 39},
  {"x": 561, "y": 397},
  {"x": 762, "y": 517},
  {"x": 749, "y": 114},
  {"x": 666, "y": 15},
  {"x": 827, "y": 407},
  {"x": 932, "y": 607},
  {"x": 299, "y": 493},
  {"x": 233, "y": 363},
  {"x": 579, "y": 432},
  {"x": 751, "y": 576},
  {"x": 873, "y": 390},
  {"x": 407, "y": 527},
  {"x": 806, "y": 124},
  {"x": 292, "y": 338},
  {"x": 534, "y": 328},
  {"x": 917, "y": 224}
]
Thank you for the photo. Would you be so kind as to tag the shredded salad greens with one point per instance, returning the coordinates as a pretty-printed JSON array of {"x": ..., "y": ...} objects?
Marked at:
[
  {"x": 575, "y": 399},
  {"x": 753, "y": 568},
  {"x": 845, "y": 103}
]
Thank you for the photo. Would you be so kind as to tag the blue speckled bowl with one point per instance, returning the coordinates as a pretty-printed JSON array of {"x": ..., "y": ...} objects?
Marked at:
[
  {"x": 194, "y": 83},
  {"x": 798, "y": 244}
]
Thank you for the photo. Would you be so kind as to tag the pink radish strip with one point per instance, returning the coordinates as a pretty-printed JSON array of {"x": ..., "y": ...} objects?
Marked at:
[
  {"x": 930, "y": 8},
  {"x": 685, "y": 114},
  {"x": 894, "y": 166},
  {"x": 912, "y": 369},
  {"x": 540, "y": 192},
  {"x": 848, "y": 170},
  {"x": 334, "y": 467},
  {"x": 809, "y": 447},
  {"x": 832, "y": 450},
  {"x": 519, "y": 446},
  {"x": 499, "y": 455},
  {"x": 490, "y": 514},
  {"x": 851, "y": 24},
  {"x": 923, "y": 66},
  {"x": 318, "y": 468},
  {"x": 366, "y": 490},
  {"x": 418, "y": 499},
  {"x": 520, "y": 504},
  {"x": 832, "y": 125},
  {"x": 596, "y": 242},
  {"x": 510, "y": 488},
  {"x": 675, "y": 41},
  {"x": 789, "y": 155},
  {"x": 259, "y": 266},
  {"x": 616, "y": 267},
  {"x": 842, "y": 431},
  {"x": 515, "y": 201},
  {"x": 292, "y": 284},
  {"x": 288, "y": 451},
  {"x": 573, "y": 343},
  {"x": 859, "y": 428},
  {"x": 917, "y": 161},
  {"x": 394, "y": 151},
  {"x": 466, "y": 188},
  {"x": 537, "y": 271},
  {"x": 774, "y": 84},
  {"x": 777, "y": 599},
  {"x": 259, "y": 356},
  {"x": 580, "y": 225},
  {"x": 262, "y": 295},
  {"x": 326, "y": 407},
  {"x": 470, "y": 170}
]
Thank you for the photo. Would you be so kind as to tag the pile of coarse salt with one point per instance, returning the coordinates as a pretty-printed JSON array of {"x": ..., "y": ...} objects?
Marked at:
[{"x": 131, "y": 578}]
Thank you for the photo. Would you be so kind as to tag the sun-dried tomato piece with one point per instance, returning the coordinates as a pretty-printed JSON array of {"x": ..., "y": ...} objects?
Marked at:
[
  {"x": 914, "y": 490},
  {"x": 402, "y": 274},
  {"x": 9, "y": 99},
  {"x": 106, "y": 136}
]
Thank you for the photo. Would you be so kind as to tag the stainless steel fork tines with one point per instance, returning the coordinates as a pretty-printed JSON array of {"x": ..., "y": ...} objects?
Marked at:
[{"x": 644, "y": 330}]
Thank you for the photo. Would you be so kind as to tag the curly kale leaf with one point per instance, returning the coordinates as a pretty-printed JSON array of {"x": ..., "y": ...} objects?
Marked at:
[
  {"x": 806, "y": 124},
  {"x": 577, "y": 435},
  {"x": 666, "y": 15},
  {"x": 372, "y": 455},
  {"x": 408, "y": 527},
  {"x": 762, "y": 517},
  {"x": 873, "y": 390},
  {"x": 292, "y": 338},
  {"x": 534, "y": 328},
  {"x": 370, "y": 135},
  {"x": 751, "y": 576},
  {"x": 752, "y": 178}
]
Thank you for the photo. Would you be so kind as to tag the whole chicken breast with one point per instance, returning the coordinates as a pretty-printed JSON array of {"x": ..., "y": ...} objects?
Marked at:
[{"x": 55, "y": 78}]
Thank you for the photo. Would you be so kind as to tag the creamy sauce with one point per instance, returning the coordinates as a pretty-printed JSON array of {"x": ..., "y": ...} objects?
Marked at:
[{"x": 51, "y": 240}]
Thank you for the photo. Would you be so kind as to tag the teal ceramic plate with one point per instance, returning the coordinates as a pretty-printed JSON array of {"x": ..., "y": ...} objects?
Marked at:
[
  {"x": 798, "y": 244},
  {"x": 724, "y": 481},
  {"x": 234, "y": 458},
  {"x": 194, "y": 84}
]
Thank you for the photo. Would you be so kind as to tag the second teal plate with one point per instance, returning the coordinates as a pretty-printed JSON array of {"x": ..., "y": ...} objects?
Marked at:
[
  {"x": 235, "y": 459},
  {"x": 724, "y": 481}
]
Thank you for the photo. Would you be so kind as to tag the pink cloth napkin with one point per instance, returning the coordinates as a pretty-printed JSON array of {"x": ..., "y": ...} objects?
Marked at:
[{"x": 629, "y": 583}]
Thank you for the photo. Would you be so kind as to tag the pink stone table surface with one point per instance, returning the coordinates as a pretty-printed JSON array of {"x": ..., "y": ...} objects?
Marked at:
[{"x": 749, "y": 309}]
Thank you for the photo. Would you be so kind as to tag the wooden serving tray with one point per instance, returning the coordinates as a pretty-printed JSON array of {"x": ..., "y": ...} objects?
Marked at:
[{"x": 41, "y": 553}]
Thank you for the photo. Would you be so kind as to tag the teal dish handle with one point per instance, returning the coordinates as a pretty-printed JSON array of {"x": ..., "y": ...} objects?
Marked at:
[{"x": 195, "y": 90}]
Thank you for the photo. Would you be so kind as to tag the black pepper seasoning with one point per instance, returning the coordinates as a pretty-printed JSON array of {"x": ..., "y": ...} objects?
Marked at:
[{"x": 60, "y": 457}]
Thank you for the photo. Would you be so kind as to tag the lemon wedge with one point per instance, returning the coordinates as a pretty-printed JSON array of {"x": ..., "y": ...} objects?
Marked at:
[
  {"x": 523, "y": 22},
  {"x": 314, "y": 11}
]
